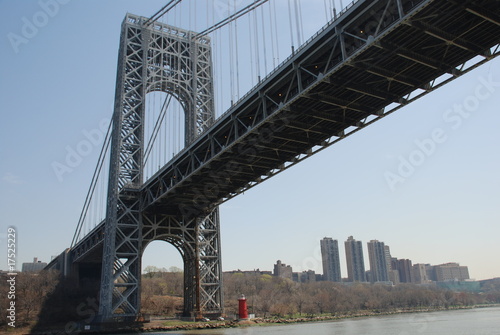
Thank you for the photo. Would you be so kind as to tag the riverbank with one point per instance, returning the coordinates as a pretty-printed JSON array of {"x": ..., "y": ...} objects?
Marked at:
[
  {"x": 158, "y": 325},
  {"x": 164, "y": 325}
]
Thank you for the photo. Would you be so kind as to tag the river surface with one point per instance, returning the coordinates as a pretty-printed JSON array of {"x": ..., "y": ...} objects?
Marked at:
[{"x": 477, "y": 321}]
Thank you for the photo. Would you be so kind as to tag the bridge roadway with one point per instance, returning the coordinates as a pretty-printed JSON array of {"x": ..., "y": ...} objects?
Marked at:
[{"x": 377, "y": 57}]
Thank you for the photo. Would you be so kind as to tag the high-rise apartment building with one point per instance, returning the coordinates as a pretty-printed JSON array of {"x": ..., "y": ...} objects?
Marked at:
[
  {"x": 355, "y": 260},
  {"x": 378, "y": 262},
  {"x": 405, "y": 271},
  {"x": 388, "y": 256},
  {"x": 331, "y": 259}
]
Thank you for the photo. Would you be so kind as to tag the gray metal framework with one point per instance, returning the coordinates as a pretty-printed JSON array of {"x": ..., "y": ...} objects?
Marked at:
[
  {"x": 156, "y": 57},
  {"x": 375, "y": 58}
]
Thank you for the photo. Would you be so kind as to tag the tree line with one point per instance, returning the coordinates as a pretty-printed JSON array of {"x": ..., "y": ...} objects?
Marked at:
[
  {"x": 273, "y": 296},
  {"x": 269, "y": 296},
  {"x": 44, "y": 299}
]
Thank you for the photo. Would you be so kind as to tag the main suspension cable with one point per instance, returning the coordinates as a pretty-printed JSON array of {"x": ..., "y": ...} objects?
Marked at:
[
  {"x": 165, "y": 9},
  {"x": 231, "y": 18},
  {"x": 93, "y": 183}
]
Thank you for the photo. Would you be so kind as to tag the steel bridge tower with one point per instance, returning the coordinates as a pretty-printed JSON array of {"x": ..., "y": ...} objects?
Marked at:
[{"x": 157, "y": 57}]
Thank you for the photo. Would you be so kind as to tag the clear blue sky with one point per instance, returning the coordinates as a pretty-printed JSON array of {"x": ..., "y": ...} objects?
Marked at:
[{"x": 61, "y": 81}]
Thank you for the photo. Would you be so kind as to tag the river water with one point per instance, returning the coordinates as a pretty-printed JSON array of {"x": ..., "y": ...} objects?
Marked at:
[{"x": 479, "y": 321}]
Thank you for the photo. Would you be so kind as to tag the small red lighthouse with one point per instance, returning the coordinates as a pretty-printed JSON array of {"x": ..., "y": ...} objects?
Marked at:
[{"x": 242, "y": 310}]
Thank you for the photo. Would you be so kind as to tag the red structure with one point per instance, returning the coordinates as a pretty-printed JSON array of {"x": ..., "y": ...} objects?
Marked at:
[{"x": 242, "y": 310}]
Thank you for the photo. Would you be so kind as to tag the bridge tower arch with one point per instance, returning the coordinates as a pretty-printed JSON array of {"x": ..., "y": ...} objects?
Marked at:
[{"x": 157, "y": 57}]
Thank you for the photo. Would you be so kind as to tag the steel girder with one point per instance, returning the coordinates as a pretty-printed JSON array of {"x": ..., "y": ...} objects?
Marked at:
[
  {"x": 155, "y": 57},
  {"x": 376, "y": 58}
]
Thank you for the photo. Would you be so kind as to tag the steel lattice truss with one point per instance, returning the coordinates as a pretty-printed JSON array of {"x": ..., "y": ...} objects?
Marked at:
[
  {"x": 197, "y": 239},
  {"x": 377, "y": 57},
  {"x": 156, "y": 57}
]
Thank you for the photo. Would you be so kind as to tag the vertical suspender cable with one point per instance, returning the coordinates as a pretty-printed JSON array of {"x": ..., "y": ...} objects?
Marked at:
[
  {"x": 158, "y": 144},
  {"x": 194, "y": 14},
  {"x": 276, "y": 32},
  {"x": 298, "y": 23},
  {"x": 257, "y": 52},
  {"x": 301, "y": 22},
  {"x": 291, "y": 26},
  {"x": 237, "y": 56},
  {"x": 264, "y": 40},
  {"x": 250, "y": 38},
  {"x": 273, "y": 43},
  {"x": 327, "y": 11},
  {"x": 218, "y": 63},
  {"x": 189, "y": 15},
  {"x": 231, "y": 57},
  {"x": 102, "y": 198},
  {"x": 221, "y": 72}
]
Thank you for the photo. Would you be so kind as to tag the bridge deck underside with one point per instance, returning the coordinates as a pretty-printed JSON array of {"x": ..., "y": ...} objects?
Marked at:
[
  {"x": 342, "y": 81},
  {"x": 371, "y": 61}
]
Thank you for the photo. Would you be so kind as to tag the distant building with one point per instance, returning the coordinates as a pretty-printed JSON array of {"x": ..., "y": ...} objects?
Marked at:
[
  {"x": 460, "y": 286},
  {"x": 387, "y": 251},
  {"x": 405, "y": 270},
  {"x": 368, "y": 276},
  {"x": 431, "y": 272},
  {"x": 394, "y": 263},
  {"x": 490, "y": 284},
  {"x": 394, "y": 276},
  {"x": 392, "y": 272},
  {"x": 420, "y": 273},
  {"x": 36, "y": 266},
  {"x": 308, "y": 276},
  {"x": 378, "y": 263},
  {"x": 451, "y": 271},
  {"x": 282, "y": 270},
  {"x": 355, "y": 260},
  {"x": 254, "y": 272},
  {"x": 331, "y": 259}
]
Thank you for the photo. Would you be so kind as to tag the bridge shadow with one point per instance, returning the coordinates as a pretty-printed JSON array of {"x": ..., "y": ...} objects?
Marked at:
[{"x": 71, "y": 306}]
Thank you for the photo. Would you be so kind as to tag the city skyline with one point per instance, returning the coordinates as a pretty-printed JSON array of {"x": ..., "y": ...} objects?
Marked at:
[{"x": 61, "y": 85}]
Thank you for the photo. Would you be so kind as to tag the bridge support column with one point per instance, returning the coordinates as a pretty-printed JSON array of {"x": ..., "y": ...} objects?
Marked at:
[
  {"x": 120, "y": 294},
  {"x": 203, "y": 272},
  {"x": 155, "y": 57},
  {"x": 198, "y": 241}
]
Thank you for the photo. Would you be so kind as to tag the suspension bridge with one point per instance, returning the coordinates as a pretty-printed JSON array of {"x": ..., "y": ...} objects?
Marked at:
[{"x": 372, "y": 58}]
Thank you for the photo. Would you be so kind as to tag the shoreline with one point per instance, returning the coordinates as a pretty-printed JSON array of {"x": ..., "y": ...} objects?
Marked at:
[
  {"x": 263, "y": 322},
  {"x": 177, "y": 325}
]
